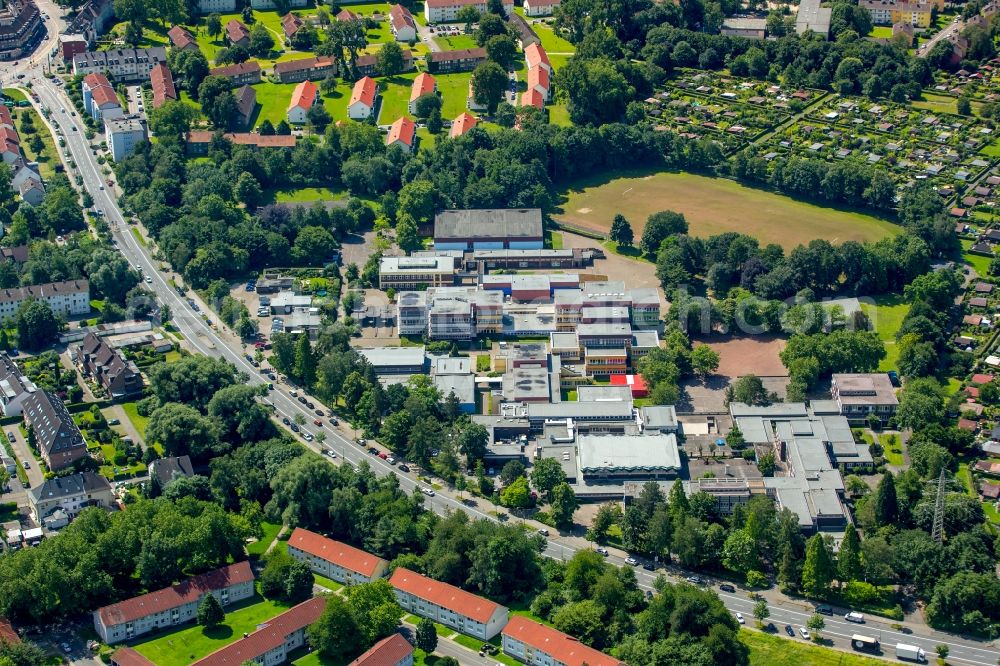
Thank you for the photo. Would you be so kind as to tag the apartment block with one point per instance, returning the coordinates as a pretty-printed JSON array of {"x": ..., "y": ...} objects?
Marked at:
[
  {"x": 335, "y": 560},
  {"x": 448, "y": 605},
  {"x": 70, "y": 298},
  {"x": 124, "y": 65},
  {"x": 535, "y": 644},
  {"x": 273, "y": 641}
]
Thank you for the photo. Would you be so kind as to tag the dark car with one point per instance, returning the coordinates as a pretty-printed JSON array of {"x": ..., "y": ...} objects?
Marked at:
[
  {"x": 770, "y": 627},
  {"x": 294, "y": 428},
  {"x": 301, "y": 399},
  {"x": 726, "y": 587},
  {"x": 789, "y": 630},
  {"x": 404, "y": 468},
  {"x": 893, "y": 377},
  {"x": 334, "y": 422},
  {"x": 823, "y": 609},
  {"x": 319, "y": 412},
  {"x": 648, "y": 566},
  {"x": 372, "y": 450},
  {"x": 310, "y": 404},
  {"x": 286, "y": 421}
]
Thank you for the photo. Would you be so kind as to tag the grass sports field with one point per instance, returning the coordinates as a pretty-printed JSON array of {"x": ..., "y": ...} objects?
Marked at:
[{"x": 714, "y": 206}]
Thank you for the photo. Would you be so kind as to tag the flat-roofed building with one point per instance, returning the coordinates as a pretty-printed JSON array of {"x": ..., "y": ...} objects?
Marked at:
[
  {"x": 396, "y": 360},
  {"x": 335, "y": 560},
  {"x": 536, "y": 644},
  {"x": 860, "y": 395},
  {"x": 416, "y": 272},
  {"x": 649, "y": 456},
  {"x": 173, "y": 605},
  {"x": 811, "y": 16},
  {"x": 492, "y": 228},
  {"x": 124, "y": 134},
  {"x": 446, "y": 604},
  {"x": 744, "y": 26},
  {"x": 273, "y": 641}
]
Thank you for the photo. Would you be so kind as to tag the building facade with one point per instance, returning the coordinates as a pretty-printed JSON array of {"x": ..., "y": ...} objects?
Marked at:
[
  {"x": 464, "y": 60},
  {"x": 335, "y": 560},
  {"x": 124, "y": 65},
  {"x": 70, "y": 298},
  {"x": 239, "y": 74},
  {"x": 123, "y": 134},
  {"x": 538, "y": 645},
  {"x": 58, "y": 439},
  {"x": 107, "y": 367},
  {"x": 69, "y": 495},
  {"x": 448, "y": 605},
  {"x": 446, "y": 11},
  {"x": 99, "y": 97},
  {"x": 314, "y": 69},
  {"x": 861, "y": 395},
  {"x": 21, "y": 28},
  {"x": 15, "y": 387},
  {"x": 401, "y": 22}
]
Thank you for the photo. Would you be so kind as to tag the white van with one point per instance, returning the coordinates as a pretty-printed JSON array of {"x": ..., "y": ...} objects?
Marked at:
[{"x": 856, "y": 617}]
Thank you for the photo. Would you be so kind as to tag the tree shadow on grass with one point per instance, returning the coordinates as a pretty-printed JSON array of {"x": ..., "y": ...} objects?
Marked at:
[{"x": 221, "y": 632}]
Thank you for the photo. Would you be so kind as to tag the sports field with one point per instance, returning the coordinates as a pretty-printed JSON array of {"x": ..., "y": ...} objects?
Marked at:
[{"x": 714, "y": 206}]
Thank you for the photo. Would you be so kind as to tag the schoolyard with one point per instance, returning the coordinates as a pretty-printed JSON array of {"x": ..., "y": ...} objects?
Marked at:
[{"x": 714, "y": 206}]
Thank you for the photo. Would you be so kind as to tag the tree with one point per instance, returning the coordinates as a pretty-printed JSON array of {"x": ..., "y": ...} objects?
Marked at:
[
  {"x": 886, "y": 506},
  {"x": 761, "y": 611},
  {"x": 748, "y": 389},
  {"x": 213, "y": 24},
  {"x": 607, "y": 515},
  {"x": 424, "y": 106},
  {"x": 210, "y": 612},
  {"x": 468, "y": 15},
  {"x": 425, "y": 637},
  {"x": 261, "y": 41},
  {"x": 318, "y": 117},
  {"x": 489, "y": 81},
  {"x": 621, "y": 231},
  {"x": 511, "y": 472},
  {"x": 546, "y": 474},
  {"x": 704, "y": 360},
  {"x": 434, "y": 122},
  {"x": 407, "y": 234},
  {"x": 942, "y": 651},
  {"x": 217, "y": 101},
  {"x": 817, "y": 624},
  {"x": 516, "y": 495},
  {"x": 389, "y": 60},
  {"x": 336, "y": 634},
  {"x": 849, "y": 557},
  {"x": 818, "y": 570},
  {"x": 502, "y": 49},
  {"x": 563, "y": 505},
  {"x": 182, "y": 430},
  {"x": 36, "y": 324},
  {"x": 659, "y": 227},
  {"x": 375, "y": 607},
  {"x": 963, "y": 106}
]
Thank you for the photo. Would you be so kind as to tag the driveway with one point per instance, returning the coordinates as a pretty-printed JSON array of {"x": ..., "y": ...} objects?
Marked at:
[
  {"x": 23, "y": 452},
  {"x": 125, "y": 428},
  {"x": 427, "y": 37}
]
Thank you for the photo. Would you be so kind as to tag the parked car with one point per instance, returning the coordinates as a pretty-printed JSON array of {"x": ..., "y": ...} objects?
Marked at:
[
  {"x": 789, "y": 630},
  {"x": 404, "y": 468},
  {"x": 543, "y": 532},
  {"x": 631, "y": 560},
  {"x": 427, "y": 491},
  {"x": 114, "y": 422},
  {"x": 285, "y": 420},
  {"x": 603, "y": 551},
  {"x": 10, "y": 436},
  {"x": 739, "y": 618},
  {"x": 317, "y": 422},
  {"x": 823, "y": 609},
  {"x": 695, "y": 580},
  {"x": 804, "y": 632},
  {"x": 334, "y": 421},
  {"x": 25, "y": 464},
  {"x": 726, "y": 587},
  {"x": 649, "y": 566},
  {"x": 319, "y": 412},
  {"x": 391, "y": 460},
  {"x": 855, "y": 617}
]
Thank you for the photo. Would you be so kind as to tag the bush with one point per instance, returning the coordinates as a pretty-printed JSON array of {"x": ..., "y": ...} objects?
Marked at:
[{"x": 756, "y": 579}]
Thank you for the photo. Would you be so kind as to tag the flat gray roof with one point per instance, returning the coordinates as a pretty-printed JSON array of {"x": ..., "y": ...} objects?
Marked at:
[
  {"x": 612, "y": 410},
  {"x": 506, "y": 223},
  {"x": 418, "y": 265},
  {"x": 623, "y": 453},
  {"x": 463, "y": 386},
  {"x": 598, "y": 393},
  {"x": 658, "y": 417},
  {"x": 382, "y": 357},
  {"x": 449, "y": 365},
  {"x": 813, "y": 17}
]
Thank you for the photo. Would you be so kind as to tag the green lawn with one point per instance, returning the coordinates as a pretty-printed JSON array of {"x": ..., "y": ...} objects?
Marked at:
[
  {"x": 979, "y": 263},
  {"x": 456, "y": 42},
  {"x": 936, "y": 103},
  {"x": 559, "y": 115},
  {"x": 420, "y": 658},
  {"x": 15, "y": 95},
  {"x": 304, "y": 194},
  {"x": 258, "y": 548},
  {"x": 273, "y": 99},
  {"x": 767, "y": 650},
  {"x": 395, "y": 91},
  {"x": 892, "y": 457},
  {"x": 180, "y": 648},
  {"x": 881, "y": 32},
  {"x": 48, "y": 157},
  {"x": 133, "y": 415},
  {"x": 551, "y": 42},
  {"x": 323, "y": 581},
  {"x": 887, "y": 316}
]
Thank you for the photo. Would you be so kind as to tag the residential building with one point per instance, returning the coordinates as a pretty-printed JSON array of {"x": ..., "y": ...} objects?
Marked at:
[
  {"x": 239, "y": 74},
  {"x": 462, "y": 125},
  {"x": 862, "y": 394},
  {"x": 889, "y": 12},
  {"x": 99, "y": 97},
  {"x": 448, "y": 605},
  {"x": 6, "y": 120},
  {"x": 59, "y": 441},
  {"x": 165, "y": 470},
  {"x": 540, "y": 7},
  {"x": 423, "y": 84},
  {"x": 415, "y": 272},
  {"x": 535, "y": 56},
  {"x": 811, "y": 16},
  {"x": 304, "y": 97},
  {"x": 335, "y": 560},
  {"x": 197, "y": 142},
  {"x": 445, "y": 11},
  {"x": 126, "y": 656},
  {"x": 903, "y": 31},
  {"x": 123, "y": 134},
  {"x": 532, "y": 97},
  {"x": 290, "y": 24},
  {"x": 273, "y": 641},
  {"x": 15, "y": 387},
  {"x": 107, "y": 367},
  {"x": 70, "y": 298},
  {"x": 538, "y": 81},
  {"x": 345, "y": 15},
  {"x": 60, "y": 499},
  {"x": 124, "y": 65},
  {"x": 182, "y": 39},
  {"x": 402, "y": 133},
  {"x": 32, "y": 191},
  {"x": 490, "y": 228},
  {"x": 91, "y": 20},
  {"x": 744, "y": 26},
  {"x": 23, "y": 171},
  {"x": 237, "y": 34},
  {"x": 367, "y": 65},
  {"x": 246, "y": 104},
  {"x": 173, "y": 605},
  {"x": 463, "y": 60},
  {"x": 162, "y": 83},
  {"x": 539, "y": 645},
  {"x": 392, "y": 651},
  {"x": 362, "y": 102},
  {"x": 313, "y": 69},
  {"x": 396, "y": 360},
  {"x": 270, "y": 4},
  {"x": 401, "y": 22},
  {"x": 16, "y": 253},
  {"x": 70, "y": 45},
  {"x": 21, "y": 28},
  {"x": 220, "y": 6}
]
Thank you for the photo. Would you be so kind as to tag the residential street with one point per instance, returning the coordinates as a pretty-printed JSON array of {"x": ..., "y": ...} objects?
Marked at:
[{"x": 34, "y": 469}]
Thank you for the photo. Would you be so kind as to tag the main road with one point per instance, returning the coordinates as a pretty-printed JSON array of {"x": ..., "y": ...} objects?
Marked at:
[{"x": 208, "y": 340}]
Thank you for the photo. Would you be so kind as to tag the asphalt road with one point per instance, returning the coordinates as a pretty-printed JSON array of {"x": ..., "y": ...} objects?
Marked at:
[
  {"x": 945, "y": 33},
  {"x": 207, "y": 340}
]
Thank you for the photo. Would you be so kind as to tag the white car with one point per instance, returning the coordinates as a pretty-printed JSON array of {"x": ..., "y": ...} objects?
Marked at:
[
  {"x": 804, "y": 632},
  {"x": 739, "y": 618},
  {"x": 603, "y": 551},
  {"x": 427, "y": 491},
  {"x": 632, "y": 561}
]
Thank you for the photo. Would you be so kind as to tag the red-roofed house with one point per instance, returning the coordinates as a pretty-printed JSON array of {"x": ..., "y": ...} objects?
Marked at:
[
  {"x": 401, "y": 134},
  {"x": 290, "y": 24},
  {"x": 5, "y": 118},
  {"x": 126, "y": 656},
  {"x": 7, "y": 633},
  {"x": 303, "y": 98},
  {"x": 10, "y": 151},
  {"x": 9, "y": 134},
  {"x": 335, "y": 560},
  {"x": 451, "y": 606},
  {"x": 461, "y": 125},
  {"x": 540, "y": 7},
  {"x": 538, "y": 79},
  {"x": 162, "y": 83},
  {"x": 402, "y": 24},
  {"x": 182, "y": 38},
  {"x": 981, "y": 378},
  {"x": 424, "y": 84},
  {"x": 535, "y": 56},
  {"x": 345, "y": 15},
  {"x": 391, "y": 651},
  {"x": 273, "y": 641},
  {"x": 173, "y": 605},
  {"x": 535, "y": 643},
  {"x": 362, "y": 101},
  {"x": 532, "y": 97},
  {"x": 99, "y": 97},
  {"x": 237, "y": 34}
]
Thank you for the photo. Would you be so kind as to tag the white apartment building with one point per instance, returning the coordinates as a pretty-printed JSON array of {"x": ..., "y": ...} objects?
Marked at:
[
  {"x": 221, "y": 6},
  {"x": 173, "y": 605},
  {"x": 122, "y": 64},
  {"x": 70, "y": 298},
  {"x": 70, "y": 495},
  {"x": 448, "y": 605},
  {"x": 123, "y": 134},
  {"x": 445, "y": 11},
  {"x": 335, "y": 560}
]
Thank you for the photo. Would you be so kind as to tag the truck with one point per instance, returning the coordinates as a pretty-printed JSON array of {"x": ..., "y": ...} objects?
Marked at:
[
  {"x": 864, "y": 643},
  {"x": 910, "y": 653}
]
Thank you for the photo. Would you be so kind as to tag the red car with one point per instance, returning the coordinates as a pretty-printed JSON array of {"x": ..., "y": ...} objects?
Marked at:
[
  {"x": 383, "y": 455},
  {"x": 317, "y": 422}
]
